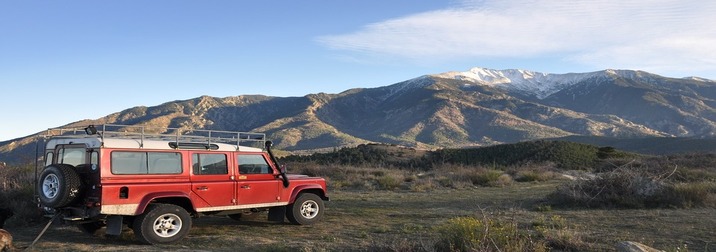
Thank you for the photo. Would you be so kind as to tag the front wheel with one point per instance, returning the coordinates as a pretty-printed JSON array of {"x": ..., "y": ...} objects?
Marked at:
[
  {"x": 306, "y": 210},
  {"x": 162, "y": 223}
]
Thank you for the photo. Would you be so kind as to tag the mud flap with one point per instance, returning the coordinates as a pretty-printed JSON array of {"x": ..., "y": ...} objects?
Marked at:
[
  {"x": 114, "y": 225},
  {"x": 277, "y": 214}
]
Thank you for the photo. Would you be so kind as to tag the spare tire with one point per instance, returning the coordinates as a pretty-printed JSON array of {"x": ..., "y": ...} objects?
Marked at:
[{"x": 59, "y": 185}]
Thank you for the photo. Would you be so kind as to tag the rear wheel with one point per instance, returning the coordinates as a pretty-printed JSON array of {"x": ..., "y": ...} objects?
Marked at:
[
  {"x": 59, "y": 185},
  {"x": 162, "y": 223},
  {"x": 306, "y": 210}
]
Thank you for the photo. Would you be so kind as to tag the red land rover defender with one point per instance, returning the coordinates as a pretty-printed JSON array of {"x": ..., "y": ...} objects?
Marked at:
[{"x": 156, "y": 180}]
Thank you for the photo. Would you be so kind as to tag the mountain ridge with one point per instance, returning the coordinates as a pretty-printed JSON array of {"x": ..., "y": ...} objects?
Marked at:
[{"x": 478, "y": 107}]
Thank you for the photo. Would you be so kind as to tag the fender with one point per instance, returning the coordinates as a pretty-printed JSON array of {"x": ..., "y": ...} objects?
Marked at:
[
  {"x": 156, "y": 195},
  {"x": 300, "y": 188}
]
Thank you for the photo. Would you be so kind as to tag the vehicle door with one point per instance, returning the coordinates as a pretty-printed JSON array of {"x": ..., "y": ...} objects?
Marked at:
[
  {"x": 257, "y": 183},
  {"x": 212, "y": 180}
]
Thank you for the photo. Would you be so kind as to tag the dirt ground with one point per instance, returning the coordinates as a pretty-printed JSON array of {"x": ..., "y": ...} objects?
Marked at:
[{"x": 381, "y": 220}]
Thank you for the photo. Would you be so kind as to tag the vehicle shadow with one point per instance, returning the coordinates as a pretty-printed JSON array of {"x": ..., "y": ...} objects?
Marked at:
[
  {"x": 66, "y": 237},
  {"x": 253, "y": 220}
]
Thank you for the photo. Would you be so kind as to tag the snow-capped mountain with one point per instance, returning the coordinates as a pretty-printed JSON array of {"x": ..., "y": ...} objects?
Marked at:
[
  {"x": 456, "y": 109},
  {"x": 542, "y": 85},
  {"x": 538, "y": 84}
]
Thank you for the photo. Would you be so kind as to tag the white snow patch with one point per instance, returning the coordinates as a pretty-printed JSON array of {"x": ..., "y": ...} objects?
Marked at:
[
  {"x": 538, "y": 84},
  {"x": 698, "y": 79}
]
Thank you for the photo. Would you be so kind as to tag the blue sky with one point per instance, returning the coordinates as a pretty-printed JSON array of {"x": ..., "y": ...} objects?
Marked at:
[{"x": 63, "y": 61}]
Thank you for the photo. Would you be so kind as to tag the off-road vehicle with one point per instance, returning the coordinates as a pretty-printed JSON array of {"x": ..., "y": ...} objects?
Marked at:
[{"x": 157, "y": 180}]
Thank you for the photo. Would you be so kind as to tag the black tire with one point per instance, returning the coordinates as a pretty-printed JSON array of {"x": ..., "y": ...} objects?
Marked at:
[
  {"x": 306, "y": 210},
  {"x": 91, "y": 227},
  {"x": 59, "y": 185},
  {"x": 162, "y": 223},
  {"x": 236, "y": 217}
]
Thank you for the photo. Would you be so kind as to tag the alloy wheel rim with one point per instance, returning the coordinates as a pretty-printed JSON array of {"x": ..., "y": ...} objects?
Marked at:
[
  {"x": 167, "y": 225},
  {"x": 50, "y": 186},
  {"x": 309, "y": 209}
]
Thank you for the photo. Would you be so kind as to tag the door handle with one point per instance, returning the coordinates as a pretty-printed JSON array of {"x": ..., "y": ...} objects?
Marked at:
[
  {"x": 202, "y": 188},
  {"x": 246, "y": 186}
]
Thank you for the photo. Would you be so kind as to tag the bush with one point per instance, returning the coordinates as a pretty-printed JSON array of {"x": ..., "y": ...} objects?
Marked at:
[
  {"x": 687, "y": 195},
  {"x": 445, "y": 182},
  {"x": 608, "y": 190},
  {"x": 423, "y": 185},
  {"x": 527, "y": 176},
  {"x": 489, "y": 178},
  {"x": 555, "y": 232},
  {"x": 634, "y": 187},
  {"x": 387, "y": 182},
  {"x": 471, "y": 234},
  {"x": 16, "y": 193}
]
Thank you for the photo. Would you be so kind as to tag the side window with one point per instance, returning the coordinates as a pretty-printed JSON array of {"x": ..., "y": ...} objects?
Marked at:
[
  {"x": 71, "y": 156},
  {"x": 126, "y": 162},
  {"x": 164, "y": 163},
  {"x": 129, "y": 162},
  {"x": 209, "y": 164},
  {"x": 253, "y": 164}
]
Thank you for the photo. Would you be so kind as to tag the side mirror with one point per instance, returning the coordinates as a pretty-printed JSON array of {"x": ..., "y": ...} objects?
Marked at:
[{"x": 91, "y": 130}]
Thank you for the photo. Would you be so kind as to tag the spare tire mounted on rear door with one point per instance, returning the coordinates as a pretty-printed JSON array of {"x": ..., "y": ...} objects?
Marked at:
[{"x": 59, "y": 185}]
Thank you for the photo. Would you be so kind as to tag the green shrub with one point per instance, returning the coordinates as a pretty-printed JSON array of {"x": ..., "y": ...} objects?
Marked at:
[
  {"x": 565, "y": 155},
  {"x": 471, "y": 234},
  {"x": 487, "y": 178},
  {"x": 387, "y": 182},
  {"x": 533, "y": 176},
  {"x": 527, "y": 176}
]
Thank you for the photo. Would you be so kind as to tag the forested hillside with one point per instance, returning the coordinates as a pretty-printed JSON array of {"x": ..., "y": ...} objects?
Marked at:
[{"x": 565, "y": 155}]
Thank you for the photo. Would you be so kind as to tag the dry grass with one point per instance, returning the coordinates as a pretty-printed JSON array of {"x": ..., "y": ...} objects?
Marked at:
[
  {"x": 380, "y": 209},
  {"x": 637, "y": 186},
  {"x": 406, "y": 221},
  {"x": 16, "y": 193},
  {"x": 485, "y": 234}
]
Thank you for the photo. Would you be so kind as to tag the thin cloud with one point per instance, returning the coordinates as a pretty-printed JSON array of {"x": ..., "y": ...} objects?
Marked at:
[{"x": 657, "y": 34}]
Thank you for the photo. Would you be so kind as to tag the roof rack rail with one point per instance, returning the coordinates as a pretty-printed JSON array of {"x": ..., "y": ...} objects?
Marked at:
[{"x": 142, "y": 133}]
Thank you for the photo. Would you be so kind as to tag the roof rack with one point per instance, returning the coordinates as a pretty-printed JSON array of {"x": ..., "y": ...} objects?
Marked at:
[{"x": 142, "y": 133}]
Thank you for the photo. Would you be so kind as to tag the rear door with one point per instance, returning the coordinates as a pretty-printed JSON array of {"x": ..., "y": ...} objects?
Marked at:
[
  {"x": 257, "y": 183},
  {"x": 212, "y": 180}
]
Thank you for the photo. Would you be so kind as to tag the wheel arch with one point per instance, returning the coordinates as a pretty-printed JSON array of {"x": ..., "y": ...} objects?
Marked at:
[
  {"x": 315, "y": 189},
  {"x": 176, "y": 198}
]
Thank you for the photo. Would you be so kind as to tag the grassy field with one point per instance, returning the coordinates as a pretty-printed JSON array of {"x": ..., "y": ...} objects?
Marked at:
[{"x": 403, "y": 220}]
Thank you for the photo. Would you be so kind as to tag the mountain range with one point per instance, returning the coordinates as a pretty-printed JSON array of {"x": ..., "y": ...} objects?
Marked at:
[{"x": 478, "y": 107}]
